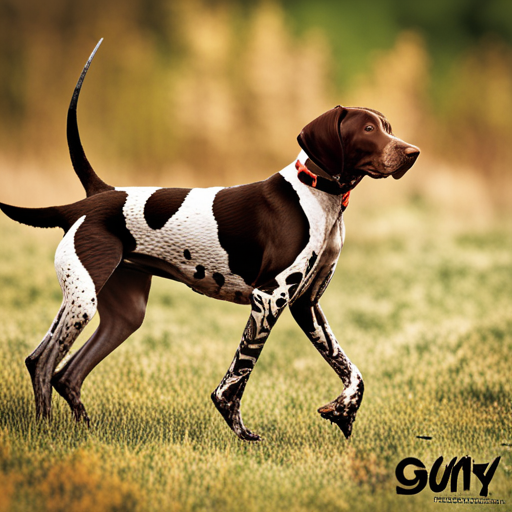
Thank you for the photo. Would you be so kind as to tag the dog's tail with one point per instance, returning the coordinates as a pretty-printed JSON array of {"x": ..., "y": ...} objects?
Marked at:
[
  {"x": 90, "y": 180},
  {"x": 50, "y": 217}
]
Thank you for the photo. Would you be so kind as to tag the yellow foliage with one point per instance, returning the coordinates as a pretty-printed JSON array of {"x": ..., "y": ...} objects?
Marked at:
[
  {"x": 80, "y": 483},
  {"x": 365, "y": 468},
  {"x": 240, "y": 100},
  {"x": 8, "y": 484},
  {"x": 478, "y": 127},
  {"x": 8, "y": 481},
  {"x": 397, "y": 85},
  {"x": 222, "y": 101},
  {"x": 5, "y": 447}
]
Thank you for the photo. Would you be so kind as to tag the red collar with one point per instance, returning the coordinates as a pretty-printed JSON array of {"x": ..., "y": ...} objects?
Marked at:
[{"x": 325, "y": 185}]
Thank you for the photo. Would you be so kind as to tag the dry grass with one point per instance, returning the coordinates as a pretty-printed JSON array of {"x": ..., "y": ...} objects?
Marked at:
[{"x": 421, "y": 307}]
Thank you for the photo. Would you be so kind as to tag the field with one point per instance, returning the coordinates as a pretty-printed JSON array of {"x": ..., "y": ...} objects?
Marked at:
[{"x": 422, "y": 307}]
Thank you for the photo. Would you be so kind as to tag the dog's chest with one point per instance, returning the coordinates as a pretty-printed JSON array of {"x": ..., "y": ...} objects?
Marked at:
[
  {"x": 326, "y": 233},
  {"x": 188, "y": 241}
]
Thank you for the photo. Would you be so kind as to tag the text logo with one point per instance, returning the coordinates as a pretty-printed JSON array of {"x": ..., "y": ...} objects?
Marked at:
[{"x": 438, "y": 479}]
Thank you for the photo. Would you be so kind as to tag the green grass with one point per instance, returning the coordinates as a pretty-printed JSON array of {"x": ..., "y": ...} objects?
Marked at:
[{"x": 423, "y": 312}]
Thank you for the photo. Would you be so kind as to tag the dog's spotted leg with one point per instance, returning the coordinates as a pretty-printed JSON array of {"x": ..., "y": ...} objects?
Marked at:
[
  {"x": 80, "y": 280},
  {"x": 341, "y": 411},
  {"x": 40, "y": 362},
  {"x": 265, "y": 310},
  {"x": 121, "y": 306}
]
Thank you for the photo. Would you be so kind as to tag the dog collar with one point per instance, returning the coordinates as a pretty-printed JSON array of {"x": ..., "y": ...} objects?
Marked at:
[{"x": 320, "y": 183}]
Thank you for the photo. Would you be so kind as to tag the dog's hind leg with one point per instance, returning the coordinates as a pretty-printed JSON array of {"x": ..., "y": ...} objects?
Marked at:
[
  {"x": 80, "y": 279},
  {"x": 121, "y": 305},
  {"x": 43, "y": 359},
  {"x": 341, "y": 411},
  {"x": 265, "y": 311}
]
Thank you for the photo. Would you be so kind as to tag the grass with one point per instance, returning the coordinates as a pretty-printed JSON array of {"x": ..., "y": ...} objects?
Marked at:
[{"x": 424, "y": 312}]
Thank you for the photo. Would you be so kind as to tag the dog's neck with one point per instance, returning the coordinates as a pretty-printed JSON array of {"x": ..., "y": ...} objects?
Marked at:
[
  {"x": 313, "y": 176},
  {"x": 315, "y": 169}
]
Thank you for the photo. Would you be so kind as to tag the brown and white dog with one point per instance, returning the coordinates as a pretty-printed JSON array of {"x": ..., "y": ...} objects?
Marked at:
[{"x": 269, "y": 244}]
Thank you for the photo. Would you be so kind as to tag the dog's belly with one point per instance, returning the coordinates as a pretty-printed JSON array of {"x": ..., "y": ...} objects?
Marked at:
[
  {"x": 228, "y": 290},
  {"x": 187, "y": 245}
]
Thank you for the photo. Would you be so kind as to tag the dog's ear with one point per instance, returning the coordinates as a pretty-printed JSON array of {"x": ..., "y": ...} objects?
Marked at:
[{"x": 321, "y": 140}]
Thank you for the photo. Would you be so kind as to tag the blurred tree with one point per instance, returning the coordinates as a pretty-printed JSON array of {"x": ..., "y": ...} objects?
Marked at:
[
  {"x": 356, "y": 29},
  {"x": 218, "y": 88}
]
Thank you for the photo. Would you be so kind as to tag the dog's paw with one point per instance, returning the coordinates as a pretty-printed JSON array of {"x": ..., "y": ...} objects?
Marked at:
[
  {"x": 72, "y": 397},
  {"x": 341, "y": 415},
  {"x": 231, "y": 413},
  {"x": 246, "y": 435}
]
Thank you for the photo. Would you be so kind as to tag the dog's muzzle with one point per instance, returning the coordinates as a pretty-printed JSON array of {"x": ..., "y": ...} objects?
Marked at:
[{"x": 411, "y": 154}]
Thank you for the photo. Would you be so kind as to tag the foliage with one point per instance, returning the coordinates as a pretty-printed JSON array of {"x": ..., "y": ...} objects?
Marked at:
[
  {"x": 478, "y": 130},
  {"x": 229, "y": 87},
  {"x": 355, "y": 30},
  {"x": 422, "y": 309},
  {"x": 211, "y": 93}
]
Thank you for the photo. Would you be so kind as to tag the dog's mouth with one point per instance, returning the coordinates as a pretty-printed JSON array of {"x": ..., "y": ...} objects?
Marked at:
[
  {"x": 401, "y": 171},
  {"x": 373, "y": 173},
  {"x": 370, "y": 170},
  {"x": 383, "y": 175}
]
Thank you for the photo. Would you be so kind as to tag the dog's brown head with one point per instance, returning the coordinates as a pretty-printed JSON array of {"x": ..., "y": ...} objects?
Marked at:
[{"x": 350, "y": 142}]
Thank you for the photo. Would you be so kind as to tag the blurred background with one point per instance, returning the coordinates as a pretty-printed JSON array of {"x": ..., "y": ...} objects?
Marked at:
[{"x": 214, "y": 92}]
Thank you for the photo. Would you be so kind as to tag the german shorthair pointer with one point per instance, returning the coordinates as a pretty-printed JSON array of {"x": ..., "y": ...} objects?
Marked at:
[{"x": 269, "y": 244}]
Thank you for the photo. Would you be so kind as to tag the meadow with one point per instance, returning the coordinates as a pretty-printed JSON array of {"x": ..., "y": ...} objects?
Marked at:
[
  {"x": 422, "y": 307},
  {"x": 201, "y": 93}
]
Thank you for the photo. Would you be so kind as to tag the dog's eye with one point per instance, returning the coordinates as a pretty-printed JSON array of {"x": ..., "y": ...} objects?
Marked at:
[{"x": 369, "y": 128}]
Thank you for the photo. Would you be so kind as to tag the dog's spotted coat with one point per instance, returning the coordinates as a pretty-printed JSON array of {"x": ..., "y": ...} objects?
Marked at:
[
  {"x": 189, "y": 239},
  {"x": 269, "y": 244}
]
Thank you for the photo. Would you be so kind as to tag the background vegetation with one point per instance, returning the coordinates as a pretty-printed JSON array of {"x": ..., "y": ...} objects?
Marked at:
[
  {"x": 215, "y": 92},
  {"x": 203, "y": 92}
]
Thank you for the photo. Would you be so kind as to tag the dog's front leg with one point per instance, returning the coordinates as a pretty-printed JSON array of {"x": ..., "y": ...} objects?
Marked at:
[
  {"x": 227, "y": 397},
  {"x": 341, "y": 411}
]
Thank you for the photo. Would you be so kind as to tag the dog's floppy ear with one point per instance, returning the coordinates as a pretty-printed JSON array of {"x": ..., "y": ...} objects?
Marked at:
[{"x": 321, "y": 140}]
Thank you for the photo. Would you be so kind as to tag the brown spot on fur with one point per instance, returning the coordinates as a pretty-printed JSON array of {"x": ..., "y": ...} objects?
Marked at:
[{"x": 162, "y": 205}]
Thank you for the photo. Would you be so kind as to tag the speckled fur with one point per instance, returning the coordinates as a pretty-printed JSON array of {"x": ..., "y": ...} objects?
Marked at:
[
  {"x": 78, "y": 288},
  {"x": 79, "y": 305}
]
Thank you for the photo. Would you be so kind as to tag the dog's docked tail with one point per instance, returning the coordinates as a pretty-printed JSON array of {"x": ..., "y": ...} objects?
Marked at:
[
  {"x": 51, "y": 217},
  {"x": 90, "y": 180}
]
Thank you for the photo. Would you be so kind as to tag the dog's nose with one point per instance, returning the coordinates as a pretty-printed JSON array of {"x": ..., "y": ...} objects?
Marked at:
[{"x": 412, "y": 151}]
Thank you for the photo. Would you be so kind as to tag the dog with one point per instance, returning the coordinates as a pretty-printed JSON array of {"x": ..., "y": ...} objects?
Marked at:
[{"x": 268, "y": 244}]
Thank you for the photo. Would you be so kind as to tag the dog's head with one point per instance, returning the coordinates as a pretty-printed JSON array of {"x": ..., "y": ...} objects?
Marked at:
[{"x": 350, "y": 142}]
